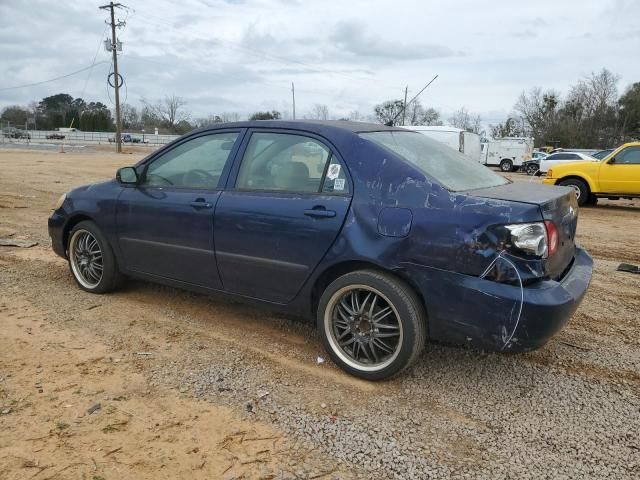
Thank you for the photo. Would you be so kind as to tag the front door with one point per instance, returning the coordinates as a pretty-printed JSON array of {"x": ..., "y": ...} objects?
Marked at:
[
  {"x": 622, "y": 175},
  {"x": 165, "y": 224},
  {"x": 280, "y": 216}
]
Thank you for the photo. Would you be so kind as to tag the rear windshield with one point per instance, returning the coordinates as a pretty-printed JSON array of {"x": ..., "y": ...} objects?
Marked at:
[{"x": 442, "y": 163}]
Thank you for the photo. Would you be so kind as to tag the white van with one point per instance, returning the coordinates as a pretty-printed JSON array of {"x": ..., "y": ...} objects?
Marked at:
[
  {"x": 467, "y": 143},
  {"x": 508, "y": 153}
]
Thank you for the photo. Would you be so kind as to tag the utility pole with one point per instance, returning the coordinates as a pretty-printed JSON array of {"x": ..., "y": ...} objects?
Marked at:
[
  {"x": 116, "y": 84},
  {"x": 293, "y": 95},
  {"x": 392, "y": 122},
  {"x": 404, "y": 108}
]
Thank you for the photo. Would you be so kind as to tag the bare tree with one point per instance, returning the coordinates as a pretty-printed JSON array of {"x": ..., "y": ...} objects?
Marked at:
[
  {"x": 460, "y": 118},
  {"x": 467, "y": 121},
  {"x": 130, "y": 117},
  {"x": 356, "y": 116},
  {"x": 418, "y": 115},
  {"x": 169, "y": 110},
  {"x": 319, "y": 112}
]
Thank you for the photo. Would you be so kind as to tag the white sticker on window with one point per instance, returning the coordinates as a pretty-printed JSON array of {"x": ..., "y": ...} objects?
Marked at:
[
  {"x": 338, "y": 183},
  {"x": 334, "y": 171}
]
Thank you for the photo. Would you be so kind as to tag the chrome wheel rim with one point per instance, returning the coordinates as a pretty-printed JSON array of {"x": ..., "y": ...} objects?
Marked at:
[
  {"x": 506, "y": 167},
  {"x": 363, "y": 328},
  {"x": 577, "y": 190},
  {"x": 86, "y": 258}
]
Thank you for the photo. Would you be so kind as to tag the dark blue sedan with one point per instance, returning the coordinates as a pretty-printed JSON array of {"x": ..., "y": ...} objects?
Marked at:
[{"x": 386, "y": 237}]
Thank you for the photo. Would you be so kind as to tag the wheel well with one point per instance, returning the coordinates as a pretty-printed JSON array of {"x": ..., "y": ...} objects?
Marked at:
[
  {"x": 574, "y": 177},
  {"x": 335, "y": 271},
  {"x": 72, "y": 222}
]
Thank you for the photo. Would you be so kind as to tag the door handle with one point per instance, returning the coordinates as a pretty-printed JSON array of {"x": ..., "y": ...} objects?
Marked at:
[
  {"x": 319, "y": 212},
  {"x": 200, "y": 203}
]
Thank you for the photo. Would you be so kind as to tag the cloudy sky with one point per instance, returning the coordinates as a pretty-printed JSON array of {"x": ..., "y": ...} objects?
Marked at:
[{"x": 242, "y": 55}]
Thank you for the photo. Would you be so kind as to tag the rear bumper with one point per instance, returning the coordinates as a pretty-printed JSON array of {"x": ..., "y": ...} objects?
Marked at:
[
  {"x": 494, "y": 316},
  {"x": 56, "y": 232}
]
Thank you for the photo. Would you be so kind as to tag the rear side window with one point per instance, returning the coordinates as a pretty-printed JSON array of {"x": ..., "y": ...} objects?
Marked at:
[
  {"x": 440, "y": 162},
  {"x": 285, "y": 162}
]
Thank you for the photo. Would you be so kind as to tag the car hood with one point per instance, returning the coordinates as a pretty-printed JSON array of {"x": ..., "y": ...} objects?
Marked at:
[{"x": 86, "y": 188}]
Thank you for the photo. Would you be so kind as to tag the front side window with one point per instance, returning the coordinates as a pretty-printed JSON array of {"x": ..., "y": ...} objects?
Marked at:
[
  {"x": 629, "y": 156},
  {"x": 452, "y": 169},
  {"x": 196, "y": 163},
  {"x": 283, "y": 162}
]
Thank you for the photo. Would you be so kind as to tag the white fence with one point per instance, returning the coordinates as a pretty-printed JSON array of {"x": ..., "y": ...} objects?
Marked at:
[{"x": 78, "y": 137}]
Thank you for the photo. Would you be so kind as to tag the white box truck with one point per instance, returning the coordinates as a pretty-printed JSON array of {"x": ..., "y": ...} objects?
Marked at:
[
  {"x": 467, "y": 143},
  {"x": 508, "y": 153}
]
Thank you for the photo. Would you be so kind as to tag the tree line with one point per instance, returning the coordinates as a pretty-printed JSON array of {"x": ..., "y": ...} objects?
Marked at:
[{"x": 590, "y": 115}]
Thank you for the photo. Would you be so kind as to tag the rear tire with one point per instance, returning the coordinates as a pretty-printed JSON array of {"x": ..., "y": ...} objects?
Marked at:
[
  {"x": 372, "y": 324},
  {"x": 580, "y": 187},
  {"x": 91, "y": 259},
  {"x": 506, "y": 165}
]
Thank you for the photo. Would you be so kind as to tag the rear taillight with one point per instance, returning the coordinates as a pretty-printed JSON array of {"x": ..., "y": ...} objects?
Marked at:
[
  {"x": 528, "y": 238},
  {"x": 552, "y": 237},
  {"x": 535, "y": 239}
]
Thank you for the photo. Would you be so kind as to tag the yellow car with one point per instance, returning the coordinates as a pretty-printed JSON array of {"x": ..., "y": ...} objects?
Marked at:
[{"x": 616, "y": 176}]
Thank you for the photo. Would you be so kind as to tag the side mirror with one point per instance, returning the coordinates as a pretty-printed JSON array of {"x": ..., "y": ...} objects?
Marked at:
[
  {"x": 127, "y": 176},
  {"x": 612, "y": 160}
]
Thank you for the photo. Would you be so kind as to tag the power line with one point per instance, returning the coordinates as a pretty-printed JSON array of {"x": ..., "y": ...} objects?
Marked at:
[
  {"x": 86, "y": 82},
  {"x": 53, "y": 79}
]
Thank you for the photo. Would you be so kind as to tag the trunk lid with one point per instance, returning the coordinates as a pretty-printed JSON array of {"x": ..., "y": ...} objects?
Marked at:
[{"x": 557, "y": 204}]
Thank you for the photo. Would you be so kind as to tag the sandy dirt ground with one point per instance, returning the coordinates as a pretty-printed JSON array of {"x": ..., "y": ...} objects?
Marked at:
[{"x": 128, "y": 357}]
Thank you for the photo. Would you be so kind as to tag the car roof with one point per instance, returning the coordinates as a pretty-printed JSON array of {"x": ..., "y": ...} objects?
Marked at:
[{"x": 313, "y": 126}]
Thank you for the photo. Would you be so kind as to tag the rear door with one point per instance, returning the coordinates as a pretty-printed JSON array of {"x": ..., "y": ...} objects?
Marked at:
[
  {"x": 165, "y": 224},
  {"x": 285, "y": 203},
  {"x": 622, "y": 175}
]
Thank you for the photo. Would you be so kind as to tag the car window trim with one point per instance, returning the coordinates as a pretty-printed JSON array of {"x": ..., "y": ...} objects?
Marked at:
[
  {"x": 333, "y": 152},
  {"x": 145, "y": 163}
]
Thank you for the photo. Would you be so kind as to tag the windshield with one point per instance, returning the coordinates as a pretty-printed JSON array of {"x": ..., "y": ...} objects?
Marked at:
[{"x": 440, "y": 162}]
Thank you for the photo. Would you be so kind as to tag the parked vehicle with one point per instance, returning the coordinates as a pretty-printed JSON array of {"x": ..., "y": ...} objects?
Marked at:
[
  {"x": 460, "y": 140},
  {"x": 12, "y": 132},
  {"x": 387, "y": 238},
  {"x": 561, "y": 157},
  {"x": 602, "y": 153},
  {"x": 508, "y": 153},
  {"x": 55, "y": 136},
  {"x": 538, "y": 155},
  {"x": 615, "y": 176},
  {"x": 128, "y": 138}
]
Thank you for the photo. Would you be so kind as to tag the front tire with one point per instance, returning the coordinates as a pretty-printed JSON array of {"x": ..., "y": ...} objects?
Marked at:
[
  {"x": 581, "y": 188},
  {"x": 506, "y": 165},
  {"x": 532, "y": 169},
  {"x": 91, "y": 260},
  {"x": 372, "y": 324}
]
